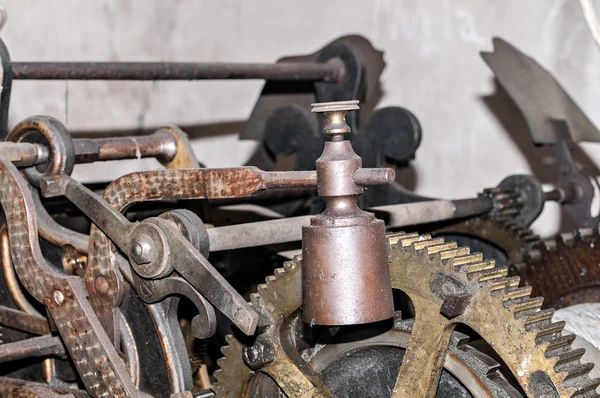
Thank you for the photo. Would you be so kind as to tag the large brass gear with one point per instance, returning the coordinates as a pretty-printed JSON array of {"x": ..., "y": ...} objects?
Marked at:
[
  {"x": 565, "y": 269},
  {"x": 439, "y": 277}
]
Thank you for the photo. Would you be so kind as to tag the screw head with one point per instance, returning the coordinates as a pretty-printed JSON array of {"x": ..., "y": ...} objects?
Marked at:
[
  {"x": 448, "y": 288},
  {"x": 253, "y": 354},
  {"x": 142, "y": 250},
  {"x": 59, "y": 297},
  {"x": 101, "y": 284}
]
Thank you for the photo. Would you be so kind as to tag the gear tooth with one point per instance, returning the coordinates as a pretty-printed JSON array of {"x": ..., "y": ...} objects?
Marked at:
[
  {"x": 530, "y": 238},
  {"x": 262, "y": 289},
  {"x": 550, "y": 245},
  {"x": 297, "y": 259},
  {"x": 290, "y": 265},
  {"x": 456, "y": 254},
  {"x": 393, "y": 238},
  {"x": 549, "y": 328},
  {"x": 480, "y": 267},
  {"x": 585, "y": 234},
  {"x": 441, "y": 248},
  {"x": 556, "y": 344},
  {"x": 513, "y": 293},
  {"x": 534, "y": 255},
  {"x": 491, "y": 275},
  {"x": 523, "y": 304},
  {"x": 567, "y": 356},
  {"x": 270, "y": 279},
  {"x": 505, "y": 283},
  {"x": 512, "y": 226},
  {"x": 279, "y": 272},
  {"x": 567, "y": 238},
  {"x": 405, "y": 242},
  {"x": 574, "y": 370},
  {"x": 229, "y": 338},
  {"x": 420, "y": 245},
  {"x": 586, "y": 387},
  {"x": 539, "y": 316},
  {"x": 464, "y": 258},
  {"x": 254, "y": 299}
]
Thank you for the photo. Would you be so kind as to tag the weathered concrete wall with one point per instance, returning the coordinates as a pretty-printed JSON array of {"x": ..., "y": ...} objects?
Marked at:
[{"x": 431, "y": 49}]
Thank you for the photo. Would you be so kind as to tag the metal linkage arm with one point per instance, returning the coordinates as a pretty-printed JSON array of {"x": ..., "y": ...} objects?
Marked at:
[{"x": 155, "y": 249}]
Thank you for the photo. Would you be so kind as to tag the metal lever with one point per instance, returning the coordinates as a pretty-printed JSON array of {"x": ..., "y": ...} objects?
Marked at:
[{"x": 155, "y": 249}]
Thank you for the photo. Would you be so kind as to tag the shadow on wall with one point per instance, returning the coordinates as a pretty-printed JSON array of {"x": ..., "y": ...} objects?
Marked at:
[{"x": 540, "y": 158}]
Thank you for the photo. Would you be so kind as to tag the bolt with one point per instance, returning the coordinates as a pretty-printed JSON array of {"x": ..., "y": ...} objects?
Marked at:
[
  {"x": 59, "y": 297},
  {"x": 258, "y": 355},
  {"x": 448, "y": 288},
  {"x": 101, "y": 284},
  {"x": 142, "y": 251},
  {"x": 253, "y": 354}
]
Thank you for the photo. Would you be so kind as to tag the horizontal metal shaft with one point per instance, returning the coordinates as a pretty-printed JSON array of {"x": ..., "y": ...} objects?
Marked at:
[
  {"x": 42, "y": 346},
  {"x": 159, "y": 145},
  {"x": 330, "y": 71},
  {"x": 20, "y": 320},
  {"x": 24, "y": 154},
  {"x": 290, "y": 229}
]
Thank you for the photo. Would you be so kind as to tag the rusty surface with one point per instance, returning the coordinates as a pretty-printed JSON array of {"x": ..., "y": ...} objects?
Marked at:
[
  {"x": 96, "y": 360},
  {"x": 331, "y": 71},
  {"x": 53, "y": 134},
  {"x": 500, "y": 311},
  {"x": 22, "y": 388},
  {"x": 161, "y": 145},
  {"x": 564, "y": 270},
  {"x": 20, "y": 320},
  {"x": 55, "y": 233},
  {"x": 165, "y": 185},
  {"x": 346, "y": 275},
  {"x": 24, "y": 154},
  {"x": 35, "y": 347},
  {"x": 504, "y": 314},
  {"x": 10, "y": 278}
]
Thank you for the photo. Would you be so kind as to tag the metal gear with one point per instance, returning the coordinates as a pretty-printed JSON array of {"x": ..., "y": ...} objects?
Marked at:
[
  {"x": 564, "y": 269},
  {"x": 497, "y": 235},
  {"x": 448, "y": 285}
]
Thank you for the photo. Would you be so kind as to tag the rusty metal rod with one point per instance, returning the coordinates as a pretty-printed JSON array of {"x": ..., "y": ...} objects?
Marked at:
[
  {"x": 290, "y": 229},
  {"x": 331, "y": 71},
  {"x": 24, "y": 154},
  {"x": 42, "y": 346},
  {"x": 20, "y": 320},
  {"x": 161, "y": 145}
]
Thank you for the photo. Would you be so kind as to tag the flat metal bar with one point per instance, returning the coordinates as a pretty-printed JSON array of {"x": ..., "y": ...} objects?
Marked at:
[{"x": 330, "y": 71}]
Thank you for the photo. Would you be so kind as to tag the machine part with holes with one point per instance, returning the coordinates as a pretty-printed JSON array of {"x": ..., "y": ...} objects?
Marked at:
[
  {"x": 564, "y": 270},
  {"x": 536, "y": 355},
  {"x": 64, "y": 296}
]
